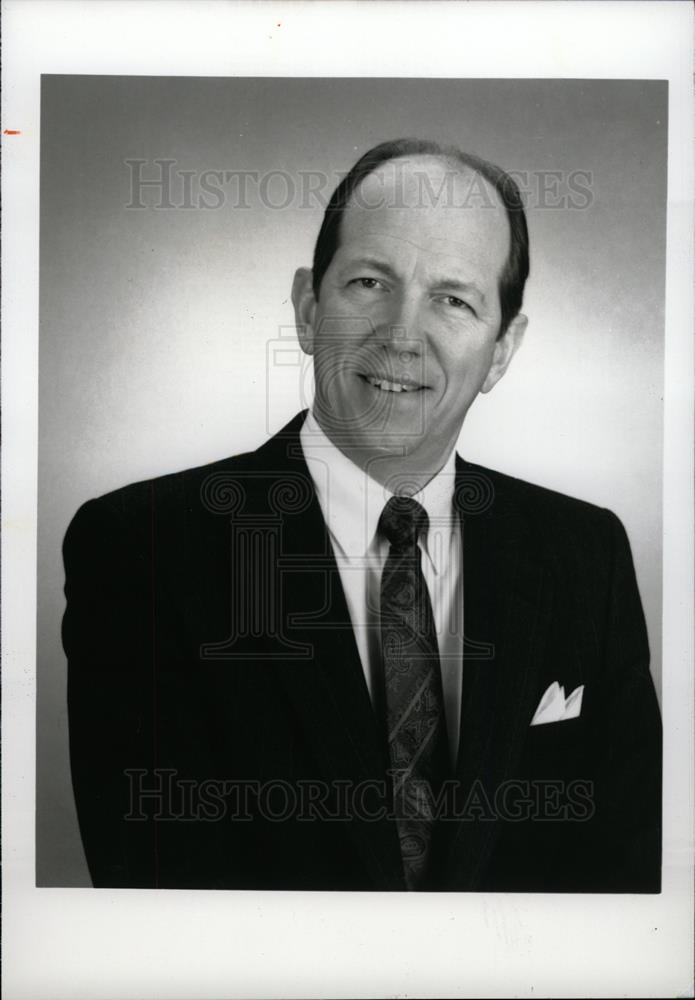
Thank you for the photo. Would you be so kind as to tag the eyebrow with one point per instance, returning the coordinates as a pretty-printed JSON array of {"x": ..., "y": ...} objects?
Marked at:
[
  {"x": 375, "y": 262},
  {"x": 451, "y": 284}
]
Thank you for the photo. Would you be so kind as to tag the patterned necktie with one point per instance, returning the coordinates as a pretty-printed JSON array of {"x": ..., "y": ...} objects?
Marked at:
[{"x": 416, "y": 725}]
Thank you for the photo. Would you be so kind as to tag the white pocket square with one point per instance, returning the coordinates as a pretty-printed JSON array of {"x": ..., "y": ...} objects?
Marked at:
[{"x": 554, "y": 707}]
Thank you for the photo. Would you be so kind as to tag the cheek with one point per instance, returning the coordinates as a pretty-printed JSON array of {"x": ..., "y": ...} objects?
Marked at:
[
  {"x": 464, "y": 360},
  {"x": 338, "y": 330}
]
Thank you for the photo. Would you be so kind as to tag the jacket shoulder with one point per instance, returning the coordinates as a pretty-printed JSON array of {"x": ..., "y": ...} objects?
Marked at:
[
  {"x": 551, "y": 519},
  {"x": 162, "y": 496},
  {"x": 172, "y": 486},
  {"x": 216, "y": 487},
  {"x": 533, "y": 497}
]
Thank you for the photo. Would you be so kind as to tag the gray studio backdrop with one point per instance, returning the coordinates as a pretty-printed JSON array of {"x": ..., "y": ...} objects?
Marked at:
[{"x": 166, "y": 330}]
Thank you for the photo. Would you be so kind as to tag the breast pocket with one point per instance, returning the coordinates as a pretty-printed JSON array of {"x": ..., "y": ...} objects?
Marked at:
[{"x": 557, "y": 750}]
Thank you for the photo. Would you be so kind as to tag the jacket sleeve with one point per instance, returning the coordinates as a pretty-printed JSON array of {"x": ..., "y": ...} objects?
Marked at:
[
  {"x": 108, "y": 638},
  {"x": 629, "y": 774}
]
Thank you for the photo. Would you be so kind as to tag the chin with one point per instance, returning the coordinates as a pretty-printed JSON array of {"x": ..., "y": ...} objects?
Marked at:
[{"x": 390, "y": 445}]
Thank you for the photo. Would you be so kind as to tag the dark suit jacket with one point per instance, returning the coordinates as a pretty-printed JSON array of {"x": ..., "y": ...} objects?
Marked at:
[{"x": 221, "y": 731}]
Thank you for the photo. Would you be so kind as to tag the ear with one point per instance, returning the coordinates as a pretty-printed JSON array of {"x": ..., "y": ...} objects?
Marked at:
[
  {"x": 505, "y": 349},
  {"x": 304, "y": 304}
]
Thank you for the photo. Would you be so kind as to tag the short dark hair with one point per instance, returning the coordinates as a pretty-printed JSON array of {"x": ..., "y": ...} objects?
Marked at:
[{"x": 516, "y": 268}]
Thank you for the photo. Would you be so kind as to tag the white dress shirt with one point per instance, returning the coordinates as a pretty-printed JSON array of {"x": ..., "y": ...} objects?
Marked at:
[{"x": 352, "y": 502}]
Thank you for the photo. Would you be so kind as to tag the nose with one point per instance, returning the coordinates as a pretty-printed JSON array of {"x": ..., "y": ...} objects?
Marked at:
[{"x": 402, "y": 330}]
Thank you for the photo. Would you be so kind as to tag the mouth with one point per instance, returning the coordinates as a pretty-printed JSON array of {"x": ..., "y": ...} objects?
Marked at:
[{"x": 404, "y": 384}]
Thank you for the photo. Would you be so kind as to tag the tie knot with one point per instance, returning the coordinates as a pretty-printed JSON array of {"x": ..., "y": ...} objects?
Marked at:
[{"x": 402, "y": 522}]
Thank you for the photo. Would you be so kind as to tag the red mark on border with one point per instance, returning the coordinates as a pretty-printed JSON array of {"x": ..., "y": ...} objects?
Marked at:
[{"x": 11, "y": 131}]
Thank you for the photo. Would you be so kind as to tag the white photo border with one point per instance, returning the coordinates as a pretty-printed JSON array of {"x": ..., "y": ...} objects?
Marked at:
[{"x": 129, "y": 943}]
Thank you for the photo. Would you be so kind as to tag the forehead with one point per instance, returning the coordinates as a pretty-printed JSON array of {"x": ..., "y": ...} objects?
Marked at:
[{"x": 429, "y": 207}]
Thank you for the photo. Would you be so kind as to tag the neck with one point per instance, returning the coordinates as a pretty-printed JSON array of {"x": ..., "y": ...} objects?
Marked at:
[{"x": 402, "y": 474}]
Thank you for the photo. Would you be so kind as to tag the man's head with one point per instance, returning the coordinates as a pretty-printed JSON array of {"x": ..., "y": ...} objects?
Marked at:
[{"x": 417, "y": 283}]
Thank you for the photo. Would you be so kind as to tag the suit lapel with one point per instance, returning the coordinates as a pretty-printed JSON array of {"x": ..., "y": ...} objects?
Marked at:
[
  {"x": 506, "y": 602},
  {"x": 325, "y": 683}
]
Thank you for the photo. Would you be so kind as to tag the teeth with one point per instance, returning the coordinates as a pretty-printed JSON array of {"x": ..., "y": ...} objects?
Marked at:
[{"x": 382, "y": 383}]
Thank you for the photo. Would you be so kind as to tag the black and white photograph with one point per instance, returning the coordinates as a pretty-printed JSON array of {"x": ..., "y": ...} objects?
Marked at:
[
  {"x": 352, "y": 472},
  {"x": 346, "y": 655}
]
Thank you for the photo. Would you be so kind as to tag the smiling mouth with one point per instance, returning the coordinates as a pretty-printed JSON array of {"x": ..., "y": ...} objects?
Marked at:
[{"x": 387, "y": 385}]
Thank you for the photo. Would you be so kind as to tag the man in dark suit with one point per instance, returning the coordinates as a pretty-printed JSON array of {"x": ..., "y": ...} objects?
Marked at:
[{"x": 341, "y": 661}]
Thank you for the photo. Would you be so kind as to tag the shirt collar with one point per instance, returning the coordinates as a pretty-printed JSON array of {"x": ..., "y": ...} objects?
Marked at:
[{"x": 352, "y": 501}]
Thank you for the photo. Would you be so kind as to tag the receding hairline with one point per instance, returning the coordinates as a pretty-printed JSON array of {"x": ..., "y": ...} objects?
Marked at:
[{"x": 446, "y": 159}]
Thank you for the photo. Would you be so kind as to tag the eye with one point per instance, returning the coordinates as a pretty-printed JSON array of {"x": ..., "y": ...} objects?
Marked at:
[
  {"x": 456, "y": 303},
  {"x": 367, "y": 283}
]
